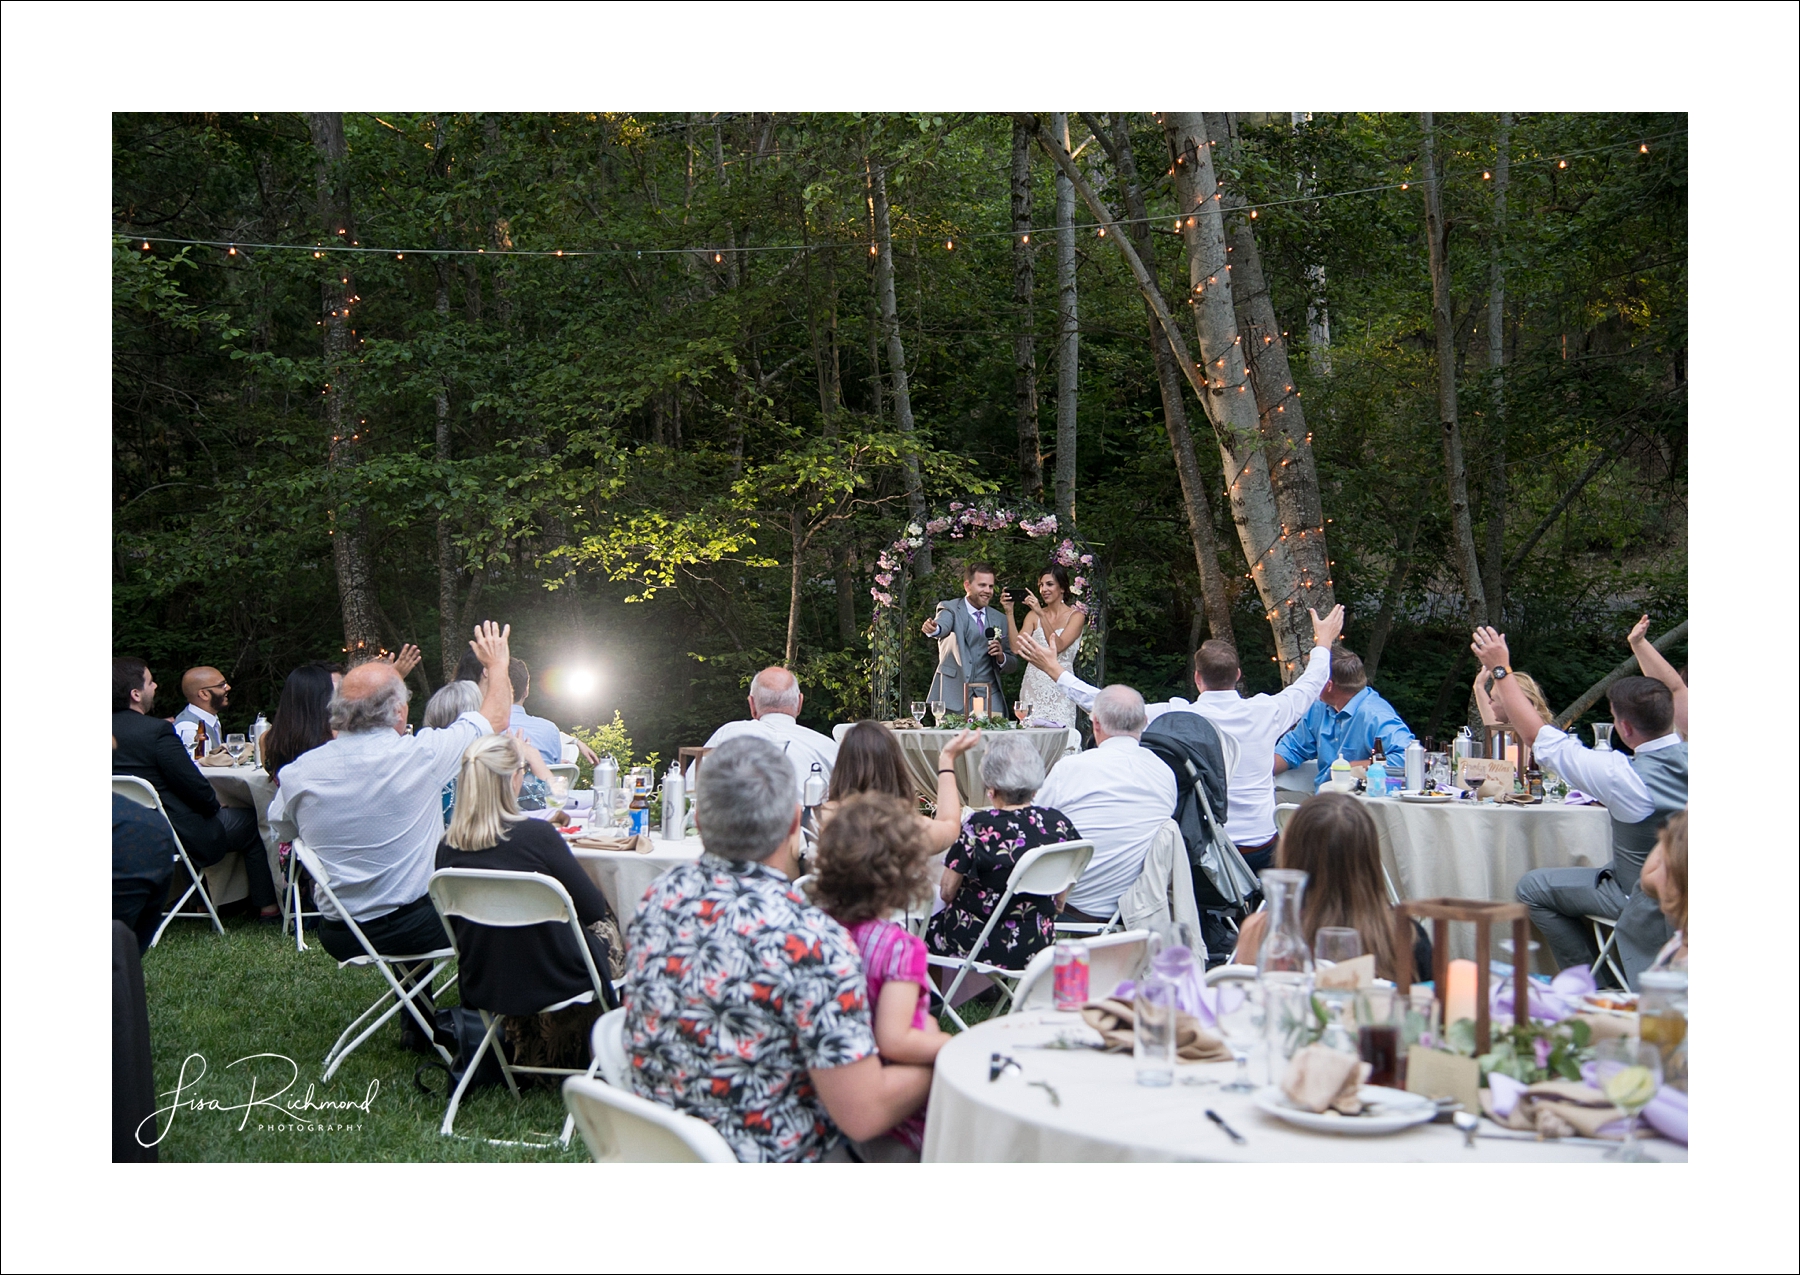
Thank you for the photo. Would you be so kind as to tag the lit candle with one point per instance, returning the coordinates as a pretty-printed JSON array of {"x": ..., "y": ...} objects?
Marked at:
[
  {"x": 1459, "y": 991},
  {"x": 977, "y": 706}
]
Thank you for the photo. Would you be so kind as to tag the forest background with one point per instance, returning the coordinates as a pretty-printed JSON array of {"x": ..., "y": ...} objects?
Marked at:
[{"x": 676, "y": 452}]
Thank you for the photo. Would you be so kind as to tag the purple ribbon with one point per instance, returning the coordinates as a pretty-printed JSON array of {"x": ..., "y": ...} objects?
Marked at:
[{"x": 1552, "y": 1003}]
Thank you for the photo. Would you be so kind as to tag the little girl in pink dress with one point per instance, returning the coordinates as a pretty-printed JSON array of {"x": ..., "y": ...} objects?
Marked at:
[{"x": 872, "y": 860}]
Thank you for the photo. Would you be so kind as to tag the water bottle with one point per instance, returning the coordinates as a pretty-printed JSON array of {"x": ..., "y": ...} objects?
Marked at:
[
  {"x": 674, "y": 804},
  {"x": 1415, "y": 767},
  {"x": 815, "y": 788},
  {"x": 1378, "y": 771}
]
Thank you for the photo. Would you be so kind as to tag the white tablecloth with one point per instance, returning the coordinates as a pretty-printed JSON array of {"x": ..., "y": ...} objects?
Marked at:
[
  {"x": 1467, "y": 850},
  {"x": 1105, "y": 1115},
  {"x": 920, "y": 748},
  {"x": 623, "y": 875},
  {"x": 249, "y": 788}
]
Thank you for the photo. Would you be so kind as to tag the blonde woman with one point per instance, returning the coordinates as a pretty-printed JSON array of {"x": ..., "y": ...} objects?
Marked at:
[
  {"x": 1493, "y": 713},
  {"x": 517, "y": 971}
]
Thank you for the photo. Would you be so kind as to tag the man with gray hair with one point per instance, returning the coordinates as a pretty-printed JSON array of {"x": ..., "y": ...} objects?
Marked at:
[
  {"x": 1118, "y": 794},
  {"x": 775, "y": 703},
  {"x": 744, "y": 1004},
  {"x": 369, "y": 803}
]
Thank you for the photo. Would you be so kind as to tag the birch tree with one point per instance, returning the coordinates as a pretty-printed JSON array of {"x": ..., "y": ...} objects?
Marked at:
[
  {"x": 1025, "y": 395},
  {"x": 1496, "y": 431},
  {"x": 1468, "y": 564},
  {"x": 1068, "y": 333},
  {"x": 896, "y": 348}
]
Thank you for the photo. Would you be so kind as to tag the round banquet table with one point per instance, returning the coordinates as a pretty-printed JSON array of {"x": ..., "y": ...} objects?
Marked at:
[
  {"x": 1106, "y": 1116},
  {"x": 920, "y": 749},
  {"x": 1466, "y": 850},
  {"x": 624, "y": 875},
  {"x": 249, "y": 788}
]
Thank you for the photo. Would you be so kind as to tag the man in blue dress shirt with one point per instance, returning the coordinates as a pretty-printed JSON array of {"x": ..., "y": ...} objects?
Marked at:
[{"x": 1345, "y": 722}]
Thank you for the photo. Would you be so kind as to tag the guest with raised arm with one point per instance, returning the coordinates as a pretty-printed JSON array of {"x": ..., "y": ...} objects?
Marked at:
[
  {"x": 1059, "y": 625},
  {"x": 1493, "y": 712},
  {"x": 869, "y": 760},
  {"x": 1652, "y": 664},
  {"x": 1640, "y": 793}
]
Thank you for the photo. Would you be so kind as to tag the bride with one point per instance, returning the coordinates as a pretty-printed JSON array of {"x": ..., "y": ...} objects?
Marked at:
[{"x": 1058, "y": 625}]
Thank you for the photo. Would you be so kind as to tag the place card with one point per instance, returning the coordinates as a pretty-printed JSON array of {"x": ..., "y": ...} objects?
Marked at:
[{"x": 1437, "y": 1074}]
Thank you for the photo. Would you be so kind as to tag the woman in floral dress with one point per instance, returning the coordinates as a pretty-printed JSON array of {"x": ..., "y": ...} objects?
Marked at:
[{"x": 992, "y": 843}]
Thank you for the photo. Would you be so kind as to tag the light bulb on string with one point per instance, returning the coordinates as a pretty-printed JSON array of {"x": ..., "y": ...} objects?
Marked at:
[
  {"x": 147, "y": 246},
  {"x": 949, "y": 246},
  {"x": 1024, "y": 238}
]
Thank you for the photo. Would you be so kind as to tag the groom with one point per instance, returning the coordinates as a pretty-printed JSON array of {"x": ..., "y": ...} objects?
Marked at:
[{"x": 965, "y": 652}]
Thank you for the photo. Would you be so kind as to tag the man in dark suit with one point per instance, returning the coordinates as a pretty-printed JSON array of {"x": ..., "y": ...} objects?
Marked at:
[
  {"x": 966, "y": 652},
  {"x": 149, "y": 748}
]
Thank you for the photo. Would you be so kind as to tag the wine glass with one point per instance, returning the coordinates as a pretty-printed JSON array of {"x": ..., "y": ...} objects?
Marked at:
[
  {"x": 236, "y": 746},
  {"x": 918, "y": 711},
  {"x": 558, "y": 796},
  {"x": 1471, "y": 780},
  {"x": 1629, "y": 1073},
  {"x": 1239, "y": 1014},
  {"x": 937, "y": 714},
  {"x": 1336, "y": 943},
  {"x": 1603, "y": 737},
  {"x": 1022, "y": 712}
]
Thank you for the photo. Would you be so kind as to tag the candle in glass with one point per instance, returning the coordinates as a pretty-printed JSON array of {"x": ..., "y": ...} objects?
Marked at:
[{"x": 1459, "y": 992}]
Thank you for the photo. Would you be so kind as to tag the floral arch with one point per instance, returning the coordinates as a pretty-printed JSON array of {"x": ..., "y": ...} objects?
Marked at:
[{"x": 982, "y": 527}]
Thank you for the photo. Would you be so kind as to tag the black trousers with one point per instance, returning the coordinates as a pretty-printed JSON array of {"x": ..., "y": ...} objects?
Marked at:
[
  {"x": 412, "y": 927},
  {"x": 241, "y": 835}
]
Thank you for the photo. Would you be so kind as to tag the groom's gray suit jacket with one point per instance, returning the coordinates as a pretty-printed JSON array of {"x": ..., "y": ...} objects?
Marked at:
[{"x": 963, "y": 655}]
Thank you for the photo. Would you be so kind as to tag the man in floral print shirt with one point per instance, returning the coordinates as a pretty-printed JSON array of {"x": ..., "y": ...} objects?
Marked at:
[{"x": 744, "y": 1003}]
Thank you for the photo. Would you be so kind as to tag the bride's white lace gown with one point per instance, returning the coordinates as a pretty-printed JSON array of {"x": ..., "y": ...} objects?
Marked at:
[{"x": 1046, "y": 698}]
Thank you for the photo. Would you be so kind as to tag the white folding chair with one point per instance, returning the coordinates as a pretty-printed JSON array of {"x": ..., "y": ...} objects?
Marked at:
[
  {"x": 568, "y": 770},
  {"x": 620, "y": 1127},
  {"x": 144, "y": 793},
  {"x": 1047, "y": 870},
  {"x": 610, "y": 1059},
  {"x": 1112, "y": 959},
  {"x": 1230, "y": 974},
  {"x": 293, "y": 913},
  {"x": 1284, "y": 811},
  {"x": 402, "y": 997},
  {"x": 506, "y": 900},
  {"x": 569, "y": 750},
  {"x": 1606, "y": 938}
]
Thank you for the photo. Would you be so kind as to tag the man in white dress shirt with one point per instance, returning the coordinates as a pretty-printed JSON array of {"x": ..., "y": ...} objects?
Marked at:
[
  {"x": 1256, "y": 723},
  {"x": 1640, "y": 793},
  {"x": 1117, "y": 795},
  {"x": 775, "y": 701},
  {"x": 369, "y": 804}
]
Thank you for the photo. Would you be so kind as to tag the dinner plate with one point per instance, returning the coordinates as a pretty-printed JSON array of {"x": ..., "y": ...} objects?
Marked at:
[
  {"x": 1386, "y": 1111},
  {"x": 1590, "y": 1004},
  {"x": 1427, "y": 798}
]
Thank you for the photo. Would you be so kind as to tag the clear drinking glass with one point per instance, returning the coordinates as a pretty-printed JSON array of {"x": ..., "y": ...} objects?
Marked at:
[
  {"x": 1629, "y": 1073},
  {"x": 1336, "y": 943},
  {"x": 1603, "y": 737},
  {"x": 918, "y": 711},
  {"x": 1239, "y": 1013},
  {"x": 558, "y": 796},
  {"x": 236, "y": 745},
  {"x": 1153, "y": 1034},
  {"x": 937, "y": 714}
]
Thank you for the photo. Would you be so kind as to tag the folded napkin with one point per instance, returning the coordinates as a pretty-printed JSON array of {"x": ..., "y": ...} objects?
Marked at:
[
  {"x": 1114, "y": 1020},
  {"x": 1551, "y": 1108},
  {"x": 1519, "y": 799},
  {"x": 1319, "y": 1076},
  {"x": 639, "y": 844},
  {"x": 1346, "y": 976},
  {"x": 218, "y": 757}
]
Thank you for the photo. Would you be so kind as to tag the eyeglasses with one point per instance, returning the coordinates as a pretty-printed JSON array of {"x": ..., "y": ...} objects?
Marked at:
[{"x": 216, "y": 686}]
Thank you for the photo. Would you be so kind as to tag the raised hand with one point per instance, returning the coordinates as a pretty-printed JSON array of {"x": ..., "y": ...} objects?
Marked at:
[
  {"x": 1038, "y": 654},
  {"x": 929, "y": 628},
  {"x": 1032, "y": 603},
  {"x": 1490, "y": 648},
  {"x": 1640, "y": 632},
  {"x": 964, "y": 741},
  {"x": 491, "y": 646},
  {"x": 1328, "y": 630},
  {"x": 405, "y": 660}
]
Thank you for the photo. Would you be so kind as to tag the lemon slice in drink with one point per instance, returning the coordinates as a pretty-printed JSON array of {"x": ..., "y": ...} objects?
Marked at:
[{"x": 1630, "y": 1088}]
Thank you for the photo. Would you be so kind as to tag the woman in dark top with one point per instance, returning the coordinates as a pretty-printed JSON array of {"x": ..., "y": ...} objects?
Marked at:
[
  {"x": 977, "y": 867},
  {"x": 520, "y": 970},
  {"x": 1332, "y": 839},
  {"x": 302, "y": 721}
]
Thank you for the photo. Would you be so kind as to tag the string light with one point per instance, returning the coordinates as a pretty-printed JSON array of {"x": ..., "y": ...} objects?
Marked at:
[
  {"x": 949, "y": 246},
  {"x": 1027, "y": 238}
]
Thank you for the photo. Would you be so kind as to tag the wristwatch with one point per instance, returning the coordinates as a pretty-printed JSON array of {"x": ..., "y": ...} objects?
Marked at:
[{"x": 1502, "y": 673}]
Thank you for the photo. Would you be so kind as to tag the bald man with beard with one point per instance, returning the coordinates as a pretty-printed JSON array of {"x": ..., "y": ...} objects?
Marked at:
[
  {"x": 206, "y": 692},
  {"x": 368, "y": 802},
  {"x": 775, "y": 703}
]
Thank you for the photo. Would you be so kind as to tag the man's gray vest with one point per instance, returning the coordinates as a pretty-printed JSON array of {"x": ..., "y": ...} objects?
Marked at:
[
  {"x": 214, "y": 733},
  {"x": 1664, "y": 773}
]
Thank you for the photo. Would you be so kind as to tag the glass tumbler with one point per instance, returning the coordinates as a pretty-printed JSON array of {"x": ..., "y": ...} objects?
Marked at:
[{"x": 1153, "y": 1033}]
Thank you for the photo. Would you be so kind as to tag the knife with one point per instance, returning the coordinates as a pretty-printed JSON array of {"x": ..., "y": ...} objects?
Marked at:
[{"x": 1231, "y": 1133}]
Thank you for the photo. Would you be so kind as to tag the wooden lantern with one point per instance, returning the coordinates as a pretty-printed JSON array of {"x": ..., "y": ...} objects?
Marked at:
[
  {"x": 978, "y": 699},
  {"x": 1440, "y": 912},
  {"x": 686, "y": 757}
]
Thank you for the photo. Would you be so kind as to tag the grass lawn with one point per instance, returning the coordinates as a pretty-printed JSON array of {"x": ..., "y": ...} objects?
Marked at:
[{"x": 249, "y": 992}]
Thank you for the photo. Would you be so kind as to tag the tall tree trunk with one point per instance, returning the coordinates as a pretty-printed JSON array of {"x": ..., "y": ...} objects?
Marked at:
[
  {"x": 896, "y": 351},
  {"x": 1226, "y": 399},
  {"x": 1280, "y": 414},
  {"x": 1496, "y": 514},
  {"x": 1468, "y": 564},
  {"x": 1318, "y": 314},
  {"x": 1068, "y": 334},
  {"x": 1215, "y": 599},
  {"x": 831, "y": 404},
  {"x": 450, "y": 635},
  {"x": 1391, "y": 594},
  {"x": 796, "y": 578},
  {"x": 349, "y": 525},
  {"x": 1279, "y": 578},
  {"x": 1025, "y": 396}
]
